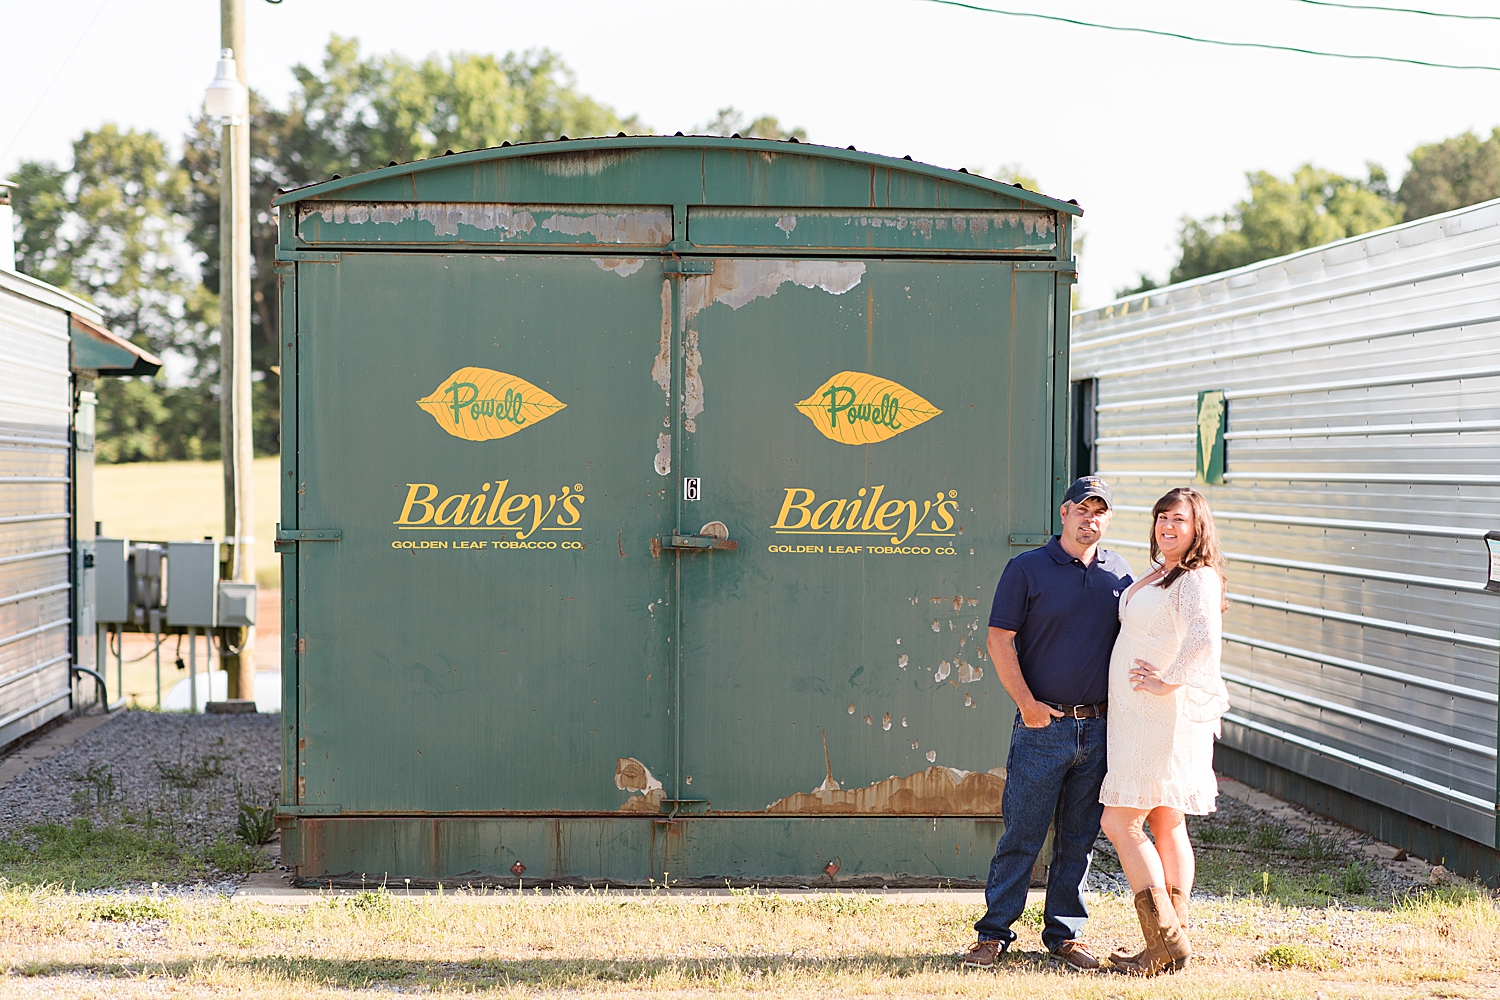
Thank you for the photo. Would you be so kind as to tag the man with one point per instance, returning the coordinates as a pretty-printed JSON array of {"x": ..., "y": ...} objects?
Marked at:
[{"x": 1052, "y": 628}]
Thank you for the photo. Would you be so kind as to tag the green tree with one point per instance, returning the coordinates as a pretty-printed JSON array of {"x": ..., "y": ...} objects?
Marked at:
[
  {"x": 138, "y": 233},
  {"x": 109, "y": 228},
  {"x": 1144, "y": 283},
  {"x": 730, "y": 120},
  {"x": 1282, "y": 216},
  {"x": 1463, "y": 170}
]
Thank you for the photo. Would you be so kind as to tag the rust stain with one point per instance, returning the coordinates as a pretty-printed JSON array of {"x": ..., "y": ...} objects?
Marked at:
[
  {"x": 646, "y": 794},
  {"x": 936, "y": 790}
]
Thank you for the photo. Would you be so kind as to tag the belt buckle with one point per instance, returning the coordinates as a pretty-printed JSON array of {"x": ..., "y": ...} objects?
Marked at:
[{"x": 1078, "y": 712}]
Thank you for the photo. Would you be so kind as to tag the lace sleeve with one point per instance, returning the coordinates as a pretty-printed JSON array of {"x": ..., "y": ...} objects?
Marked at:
[{"x": 1195, "y": 604}]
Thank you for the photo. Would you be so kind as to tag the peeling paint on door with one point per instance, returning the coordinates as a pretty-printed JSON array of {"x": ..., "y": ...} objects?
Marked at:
[
  {"x": 692, "y": 381},
  {"x": 623, "y": 266},
  {"x": 661, "y": 368},
  {"x": 644, "y": 228},
  {"x": 936, "y": 790},
  {"x": 485, "y": 222},
  {"x": 647, "y": 794},
  {"x": 736, "y": 283},
  {"x": 663, "y": 460}
]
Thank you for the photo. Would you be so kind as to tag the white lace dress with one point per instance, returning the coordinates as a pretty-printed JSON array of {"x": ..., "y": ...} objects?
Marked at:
[{"x": 1161, "y": 747}]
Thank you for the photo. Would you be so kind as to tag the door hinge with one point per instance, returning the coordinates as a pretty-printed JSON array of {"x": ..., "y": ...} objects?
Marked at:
[
  {"x": 301, "y": 646},
  {"x": 287, "y": 538},
  {"x": 321, "y": 809},
  {"x": 1028, "y": 538},
  {"x": 680, "y": 265},
  {"x": 310, "y": 256},
  {"x": 697, "y": 543}
]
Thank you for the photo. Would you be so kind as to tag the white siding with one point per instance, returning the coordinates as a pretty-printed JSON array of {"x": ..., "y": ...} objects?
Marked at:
[
  {"x": 1363, "y": 468},
  {"x": 35, "y": 540}
]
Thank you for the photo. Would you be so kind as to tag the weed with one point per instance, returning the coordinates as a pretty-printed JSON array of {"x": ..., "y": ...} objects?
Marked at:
[
  {"x": 1221, "y": 833},
  {"x": 1268, "y": 837},
  {"x": 1297, "y": 956},
  {"x": 1354, "y": 879},
  {"x": 101, "y": 792},
  {"x": 183, "y": 776},
  {"x": 254, "y": 825},
  {"x": 233, "y": 856},
  {"x": 375, "y": 902},
  {"x": 1317, "y": 847},
  {"x": 1032, "y": 916},
  {"x": 130, "y": 910}
]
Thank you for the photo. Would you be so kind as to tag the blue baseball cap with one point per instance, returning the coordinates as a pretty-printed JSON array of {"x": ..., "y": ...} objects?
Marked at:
[{"x": 1089, "y": 486}]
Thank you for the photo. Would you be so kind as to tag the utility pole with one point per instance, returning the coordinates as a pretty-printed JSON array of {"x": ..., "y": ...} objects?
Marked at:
[{"x": 235, "y": 422}]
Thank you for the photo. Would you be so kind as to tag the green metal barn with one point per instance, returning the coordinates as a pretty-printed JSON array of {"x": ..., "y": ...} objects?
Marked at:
[{"x": 642, "y": 503}]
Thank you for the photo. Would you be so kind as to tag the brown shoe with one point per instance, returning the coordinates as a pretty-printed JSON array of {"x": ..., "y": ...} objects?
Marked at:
[
  {"x": 1076, "y": 955},
  {"x": 1127, "y": 961},
  {"x": 1167, "y": 946},
  {"x": 982, "y": 954}
]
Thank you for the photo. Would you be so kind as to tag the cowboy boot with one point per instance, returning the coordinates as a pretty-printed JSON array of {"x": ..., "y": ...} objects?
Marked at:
[
  {"x": 1166, "y": 945},
  {"x": 1151, "y": 959},
  {"x": 1128, "y": 961}
]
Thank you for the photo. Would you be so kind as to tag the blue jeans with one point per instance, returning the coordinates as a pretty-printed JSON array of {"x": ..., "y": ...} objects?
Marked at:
[{"x": 1052, "y": 775}]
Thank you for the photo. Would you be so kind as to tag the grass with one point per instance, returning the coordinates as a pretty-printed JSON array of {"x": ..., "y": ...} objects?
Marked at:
[
  {"x": 184, "y": 501},
  {"x": 81, "y": 855},
  {"x": 53, "y": 943},
  {"x": 1244, "y": 854},
  {"x": 117, "y": 839}
]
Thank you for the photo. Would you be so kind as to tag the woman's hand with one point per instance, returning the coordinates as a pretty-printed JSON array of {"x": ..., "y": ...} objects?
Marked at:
[{"x": 1145, "y": 677}]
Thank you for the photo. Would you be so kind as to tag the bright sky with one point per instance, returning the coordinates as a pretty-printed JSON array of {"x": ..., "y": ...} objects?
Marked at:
[{"x": 1140, "y": 130}]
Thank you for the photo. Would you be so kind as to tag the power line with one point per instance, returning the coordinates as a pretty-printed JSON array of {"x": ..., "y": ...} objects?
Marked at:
[
  {"x": 1402, "y": 10},
  {"x": 47, "y": 89},
  {"x": 1213, "y": 41}
]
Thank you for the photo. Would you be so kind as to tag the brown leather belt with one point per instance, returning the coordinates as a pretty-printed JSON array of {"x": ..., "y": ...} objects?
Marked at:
[{"x": 1081, "y": 711}]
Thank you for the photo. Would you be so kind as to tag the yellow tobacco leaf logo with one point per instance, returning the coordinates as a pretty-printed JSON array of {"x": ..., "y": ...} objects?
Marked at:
[
  {"x": 859, "y": 408},
  {"x": 481, "y": 404}
]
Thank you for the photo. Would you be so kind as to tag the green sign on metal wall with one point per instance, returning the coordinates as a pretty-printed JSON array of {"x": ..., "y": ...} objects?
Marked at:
[{"x": 1213, "y": 415}]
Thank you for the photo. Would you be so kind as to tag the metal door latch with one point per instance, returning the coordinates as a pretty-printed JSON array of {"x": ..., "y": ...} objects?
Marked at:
[{"x": 697, "y": 543}]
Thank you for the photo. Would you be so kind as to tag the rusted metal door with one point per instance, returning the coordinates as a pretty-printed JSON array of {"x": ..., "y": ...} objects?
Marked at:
[
  {"x": 867, "y": 432},
  {"x": 480, "y": 617}
]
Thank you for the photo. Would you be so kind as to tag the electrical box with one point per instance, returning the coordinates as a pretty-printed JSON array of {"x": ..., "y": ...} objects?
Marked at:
[
  {"x": 237, "y": 603},
  {"x": 192, "y": 583},
  {"x": 112, "y": 580},
  {"x": 147, "y": 585}
]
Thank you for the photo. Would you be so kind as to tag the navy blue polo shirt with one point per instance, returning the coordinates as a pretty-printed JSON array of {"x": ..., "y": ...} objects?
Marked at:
[{"x": 1065, "y": 616}]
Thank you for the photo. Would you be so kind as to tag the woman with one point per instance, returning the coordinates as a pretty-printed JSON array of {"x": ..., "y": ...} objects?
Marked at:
[{"x": 1165, "y": 700}]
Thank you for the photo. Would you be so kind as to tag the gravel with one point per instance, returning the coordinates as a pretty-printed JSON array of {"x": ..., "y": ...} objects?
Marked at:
[{"x": 190, "y": 770}]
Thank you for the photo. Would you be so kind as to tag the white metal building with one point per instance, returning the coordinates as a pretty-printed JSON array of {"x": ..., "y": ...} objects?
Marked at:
[
  {"x": 1361, "y": 472},
  {"x": 52, "y": 348}
]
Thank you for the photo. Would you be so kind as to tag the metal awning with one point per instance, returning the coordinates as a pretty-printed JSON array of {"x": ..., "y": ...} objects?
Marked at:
[{"x": 97, "y": 350}]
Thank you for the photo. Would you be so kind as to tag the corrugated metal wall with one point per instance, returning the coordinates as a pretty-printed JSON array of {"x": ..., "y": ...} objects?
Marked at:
[
  {"x": 35, "y": 592},
  {"x": 1362, "y": 470}
]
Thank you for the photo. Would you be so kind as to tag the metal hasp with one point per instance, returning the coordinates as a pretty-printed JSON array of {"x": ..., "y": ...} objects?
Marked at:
[
  {"x": 697, "y": 543},
  {"x": 537, "y": 388}
]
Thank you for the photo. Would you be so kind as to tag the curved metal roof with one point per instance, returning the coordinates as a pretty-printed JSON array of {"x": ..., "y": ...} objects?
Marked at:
[{"x": 743, "y": 171}]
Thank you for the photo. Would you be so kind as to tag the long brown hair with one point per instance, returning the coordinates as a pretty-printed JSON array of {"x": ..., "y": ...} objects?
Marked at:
[{"x": 1203, "y": 550}]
